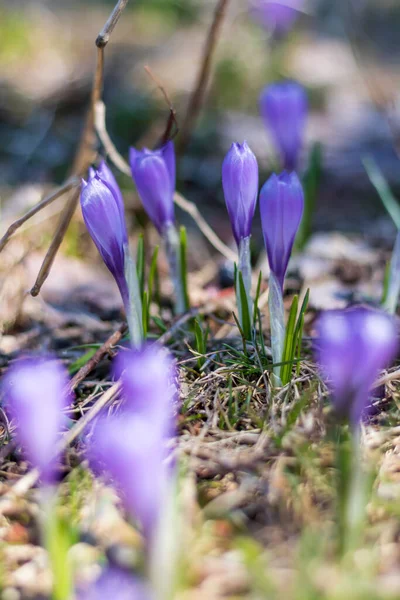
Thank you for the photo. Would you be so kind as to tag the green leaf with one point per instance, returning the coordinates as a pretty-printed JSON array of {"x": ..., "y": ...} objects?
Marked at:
[
  {"x": 140, "y": 260},
  {"x": 380, "y": 184},
  {"x": 244, "y": 312},
  {"x": 290, "y": 343},
  {"x": 257, "y": 297},
  {"x": 152, "y": 274},
  {"x": 81, "y": 361},
  {"x": 183, "y": 265}
]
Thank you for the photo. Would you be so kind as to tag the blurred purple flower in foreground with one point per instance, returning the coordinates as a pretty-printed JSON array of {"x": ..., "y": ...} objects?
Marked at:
[
  {"x": 34, "y": 391},
  {"x": 240, "y": 183},
  {"x": 276, "y": 15},
  {"x": 284, "y": 107},
  {"x": 149, "y": 384},
  {"x": 116, "y": 584},
  {"x": 353, "y": 346},
  {"x": 153, "y": 172},
  {"x": 281, "y": 207},
  {"x": 103, "y": 213},
  {"x": 131, "y": 447}
]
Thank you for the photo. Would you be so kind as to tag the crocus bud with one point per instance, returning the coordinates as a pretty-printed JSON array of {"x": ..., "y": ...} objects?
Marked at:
[
  {"x": 34, "y": 392},
  {"x": 240, "y": 183},
  {"x": 284, "y": 110},
  {"x": 153, "y": 172},
  {"x": 103, "y": 213},
  {"x": 149, "y": 384},
  {"x": 353, "y": 346},
  {"x": 116, "y": 583},
  {"x": 281, "y": 207},
  {"x": 277, "y": 16}
]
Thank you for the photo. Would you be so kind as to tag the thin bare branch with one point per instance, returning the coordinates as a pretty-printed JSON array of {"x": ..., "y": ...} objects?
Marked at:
[
  {"x": 204, "y": 227},
  {"x": 104, "y": 35},
  {"x": 98, "y": 356},
  {"x": 63, "y": 189},
  {"x": 63, "y": 225},
  {"x": 200, "y": 88},
  {"x": 172, "y": 120},
  {"x": 107, "y": 143}
]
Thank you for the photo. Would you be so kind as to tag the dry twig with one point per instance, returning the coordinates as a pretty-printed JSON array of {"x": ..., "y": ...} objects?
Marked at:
[{"x": 200, "y": 88}]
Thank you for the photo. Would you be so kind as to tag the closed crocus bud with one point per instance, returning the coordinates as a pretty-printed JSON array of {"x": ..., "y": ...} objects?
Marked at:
[
  {"x": 118, "y": 584},
  {"x": 281, "y": 207},
  {"x": 35, "y": 396},
  {"x": 284, "y": 110},
  {"x": 353, "y": 346},
  {"x": 153, "y": 172},
  {"x": 149, "y": 384},
  {"x": 277, "y": 16},
  {"x": 240, "y": 183},
  {"x": 103, "y": 213}
]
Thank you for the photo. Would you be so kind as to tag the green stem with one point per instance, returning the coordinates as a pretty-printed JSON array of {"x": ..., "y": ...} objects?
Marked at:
[
  {"x": 277, "y": 324},
  {"x": 171, "y": 240}
]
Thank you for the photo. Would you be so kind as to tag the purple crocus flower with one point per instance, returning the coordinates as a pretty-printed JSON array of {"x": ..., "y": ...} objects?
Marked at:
[
  {"x": 131, "y": 447},
  {"x": 153, "y": 172},
  {"x": 284, "y": 108},
  {"x": 103, "y": 213},
  {"x": 353, "y": 346},
  {"x": 278, "y": 16},
  {"x": 35, "y": 396},
  {"x": 116, "y": 583},
  {"x": 131, "y": 452},
  {"x": 281, "y": 207},
  {"x": 240, "y": 183},
  {"x": 149, "y": 384}
]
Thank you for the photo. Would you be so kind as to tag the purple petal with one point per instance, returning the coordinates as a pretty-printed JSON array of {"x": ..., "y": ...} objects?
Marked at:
[
  {"x": 284, "y": 110},
  {"x": 106, "y": 175},
  {"x": 276, "y": 16},
  {"x": 154, "y": 177},
  {"x": 105, "y": 222},
  {"x": 149, "y": 384},
  {"x": 281, "y": 207},
  {"x": 132, "y": 453},
  {"x": 354, "y": 345},
  {"x": 240, "y": 183},
  {"x": 168, "y": 154},
  {"x": 34, "y": 391},
  {"x": 117, "y": 584}
]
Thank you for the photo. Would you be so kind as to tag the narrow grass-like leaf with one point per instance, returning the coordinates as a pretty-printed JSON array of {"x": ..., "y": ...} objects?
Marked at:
[
  {"x": 183, "y": 265},
  {"x": 201, "y": 342},
  {"x": 140, "y": 263},
  {"x": 257, "y": 297},
  {"x": 145, "y": 314},
  {"x": 152, "y": 274},
  {"x": 81, "y": 361},
  {"x": 245, "y": 311},
  {"x": 393, "y": 287},
  {"x": 380, "y": 184},
  {"x": 290, "y": 343}
]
